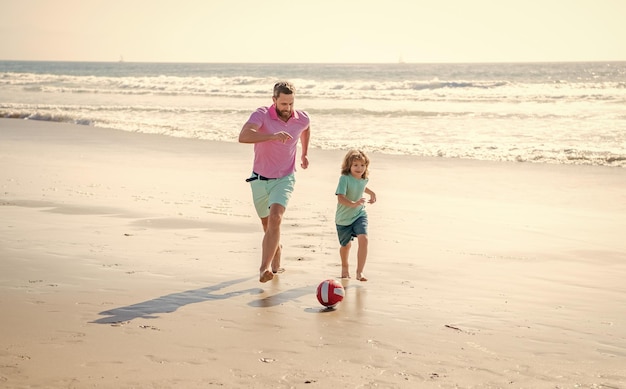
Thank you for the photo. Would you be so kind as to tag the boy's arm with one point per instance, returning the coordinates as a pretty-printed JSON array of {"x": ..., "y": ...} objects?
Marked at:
[
  {"x": 343, "y": 200},
  {"x": 372, "y": 195}
]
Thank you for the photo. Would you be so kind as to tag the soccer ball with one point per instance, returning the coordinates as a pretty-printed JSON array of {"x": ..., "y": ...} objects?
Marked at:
[{"x": 330, "y": 293}]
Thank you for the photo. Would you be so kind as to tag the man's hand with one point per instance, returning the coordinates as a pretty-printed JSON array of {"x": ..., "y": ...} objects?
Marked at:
[
  {"x": 282, "y": 136},
  {"x": 305, "y": 162}
]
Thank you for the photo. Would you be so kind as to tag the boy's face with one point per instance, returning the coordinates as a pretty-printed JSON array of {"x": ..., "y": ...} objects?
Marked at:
[{"x": 358, "y": 168}]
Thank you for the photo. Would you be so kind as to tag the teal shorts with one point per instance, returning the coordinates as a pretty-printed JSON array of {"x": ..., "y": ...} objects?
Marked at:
[{"x": 271, "y": 191}]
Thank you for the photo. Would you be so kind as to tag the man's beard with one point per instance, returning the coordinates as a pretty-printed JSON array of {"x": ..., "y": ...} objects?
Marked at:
[{"x": 285, "y": 114}]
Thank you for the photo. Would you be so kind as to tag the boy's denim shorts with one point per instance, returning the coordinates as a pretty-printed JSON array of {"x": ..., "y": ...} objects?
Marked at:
[{"x": 347, "y": 233}]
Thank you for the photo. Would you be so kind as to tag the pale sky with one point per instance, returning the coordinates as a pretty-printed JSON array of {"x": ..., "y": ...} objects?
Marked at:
[{"x": 308, "y": 31}]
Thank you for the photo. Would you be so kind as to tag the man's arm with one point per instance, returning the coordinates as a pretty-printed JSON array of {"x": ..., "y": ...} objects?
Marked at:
[
  {"x": 304, "y": 140},
  {"x": 249, "y": 134}
]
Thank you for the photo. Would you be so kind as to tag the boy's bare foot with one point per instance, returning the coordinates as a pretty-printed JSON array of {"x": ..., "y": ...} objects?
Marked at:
[
  {"x": 345, "y": 271},
  {"x": 361, "y": 277},
  {"x": 266, "y": 275}
]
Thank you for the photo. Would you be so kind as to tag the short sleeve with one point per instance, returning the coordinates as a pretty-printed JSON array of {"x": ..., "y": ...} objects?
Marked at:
[{"x": 342, "y": 187}]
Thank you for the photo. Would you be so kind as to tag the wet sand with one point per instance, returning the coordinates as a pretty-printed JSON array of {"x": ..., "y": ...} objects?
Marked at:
[{"x": 131, "y": 261}]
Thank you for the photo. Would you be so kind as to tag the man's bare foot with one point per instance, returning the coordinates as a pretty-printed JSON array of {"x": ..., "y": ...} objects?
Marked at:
[
  {"x": 361, "y": 277},
  {"x": 266, "y": 275},
  {"x": 276, "y": 261},
  {"x": 345, "y": 276}
]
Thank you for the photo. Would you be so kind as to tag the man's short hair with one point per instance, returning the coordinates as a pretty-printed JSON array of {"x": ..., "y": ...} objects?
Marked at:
[{"x": 284, "y": 87}]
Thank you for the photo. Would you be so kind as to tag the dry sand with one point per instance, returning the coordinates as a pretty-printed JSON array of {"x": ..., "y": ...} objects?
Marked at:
[{"x": 130, "y": 261}]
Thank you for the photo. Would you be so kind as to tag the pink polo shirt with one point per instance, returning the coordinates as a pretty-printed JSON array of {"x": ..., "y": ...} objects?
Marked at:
[{"x": 275, "y": 159}]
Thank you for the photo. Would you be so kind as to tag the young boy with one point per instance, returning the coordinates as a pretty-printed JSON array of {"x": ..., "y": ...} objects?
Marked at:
[{"x": 351, "y": 217}]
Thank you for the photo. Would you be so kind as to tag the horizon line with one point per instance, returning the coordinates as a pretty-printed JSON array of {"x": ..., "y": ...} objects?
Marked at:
[{"x": 315, "y": 63}]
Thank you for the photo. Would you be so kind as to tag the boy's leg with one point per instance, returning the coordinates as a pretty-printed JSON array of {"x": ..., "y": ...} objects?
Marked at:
[
  {"x": 361, "y": 256},
  {"x": 344, "y": 253}
]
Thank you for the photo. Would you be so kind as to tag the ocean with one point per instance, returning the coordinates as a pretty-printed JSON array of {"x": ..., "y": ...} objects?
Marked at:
[{"x": 563, "y": 113}]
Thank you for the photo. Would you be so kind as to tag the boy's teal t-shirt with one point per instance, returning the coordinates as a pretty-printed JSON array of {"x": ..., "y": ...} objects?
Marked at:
[{"x": 353, "y": 189}]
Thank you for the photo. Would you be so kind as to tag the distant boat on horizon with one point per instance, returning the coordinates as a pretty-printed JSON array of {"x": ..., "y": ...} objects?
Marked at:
[{"x": 121, "y": 59}]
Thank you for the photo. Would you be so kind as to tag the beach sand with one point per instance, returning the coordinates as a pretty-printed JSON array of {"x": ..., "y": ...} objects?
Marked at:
[{"x": 131, "y": 261}]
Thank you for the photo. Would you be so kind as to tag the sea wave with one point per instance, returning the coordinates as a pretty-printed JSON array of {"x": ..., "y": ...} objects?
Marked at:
[
  {"x": 545, "y": 113},
  {"x": 428, "y": 144},
  {"x": 48, "y": 117},
  {"x": 253, "y": 87},
  {"x": 81, "y": 113}
]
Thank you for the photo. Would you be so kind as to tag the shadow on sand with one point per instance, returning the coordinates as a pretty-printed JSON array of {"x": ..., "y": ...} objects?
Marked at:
[
  {"x": 171, "y": 302},
  {"x": 151, "y": 309},
  {"x": 282, "y": 297}
]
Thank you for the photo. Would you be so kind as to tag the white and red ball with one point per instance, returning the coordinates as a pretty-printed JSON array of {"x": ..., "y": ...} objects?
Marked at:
[{"x": 330, "y": 293}]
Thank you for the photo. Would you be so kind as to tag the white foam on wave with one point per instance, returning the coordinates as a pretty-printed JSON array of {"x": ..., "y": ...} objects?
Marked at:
[{"x": 488, "y": 112}]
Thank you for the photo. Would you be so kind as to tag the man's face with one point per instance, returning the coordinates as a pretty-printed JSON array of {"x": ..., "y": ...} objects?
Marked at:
[{"x": 284, "y": 105}]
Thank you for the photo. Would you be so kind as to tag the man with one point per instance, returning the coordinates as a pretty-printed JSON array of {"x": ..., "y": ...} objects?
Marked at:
[{"x": 275, "y": 132}]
